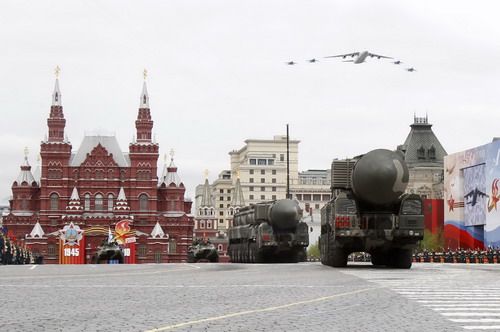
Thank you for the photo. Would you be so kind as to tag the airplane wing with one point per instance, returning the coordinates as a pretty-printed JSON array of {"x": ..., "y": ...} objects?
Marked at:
[
  {"x": 378, "y": 56},
  {"x": 343, "y": 55}
]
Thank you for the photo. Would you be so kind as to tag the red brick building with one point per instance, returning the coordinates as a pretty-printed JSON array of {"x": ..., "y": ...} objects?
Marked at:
[{"x": 97, "y": 186}]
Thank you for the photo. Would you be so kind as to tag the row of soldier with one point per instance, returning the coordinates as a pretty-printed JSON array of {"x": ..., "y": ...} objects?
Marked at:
[
  {"x": 14, "y": 252},
  {"x": 488, "y": 255}
]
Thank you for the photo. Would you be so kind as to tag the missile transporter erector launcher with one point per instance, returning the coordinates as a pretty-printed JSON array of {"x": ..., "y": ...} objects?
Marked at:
[
  {"x": 369, "y": 211},
  {"x": 268, "y": 232}
]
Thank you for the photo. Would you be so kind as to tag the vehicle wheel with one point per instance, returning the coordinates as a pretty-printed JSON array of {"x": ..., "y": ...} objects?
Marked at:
[
  {"x": 377, "y": 259},
  {"x": 339, "y": 257},
  {"x": 402, "y": 258}
]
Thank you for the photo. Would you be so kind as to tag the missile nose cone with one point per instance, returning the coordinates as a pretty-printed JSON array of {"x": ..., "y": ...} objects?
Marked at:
[{"x": 285, "y": 213}]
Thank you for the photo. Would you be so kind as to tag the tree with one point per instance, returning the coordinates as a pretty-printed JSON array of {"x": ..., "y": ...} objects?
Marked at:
[
  {"x": 313, "y": 251},
  {"x": 433, "y": 241}
]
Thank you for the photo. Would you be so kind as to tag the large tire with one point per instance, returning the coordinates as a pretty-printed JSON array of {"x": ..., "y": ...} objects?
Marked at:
[
  {"x": 339, "y": 257},
  {"x": 402, "y": 259}
]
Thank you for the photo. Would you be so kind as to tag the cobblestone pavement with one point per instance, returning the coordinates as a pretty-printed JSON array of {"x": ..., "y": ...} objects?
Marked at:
[{"x": 249, "y": 297}]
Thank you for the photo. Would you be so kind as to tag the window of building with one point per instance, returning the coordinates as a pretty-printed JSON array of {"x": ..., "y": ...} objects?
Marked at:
[
  {"x": 274, "y": 189},
  {"x": 273, "y": 172},
  {"x": 307, "y": 197},
  {"x": 228, "y": 198},
  {"x": 142, "y": 251},
  {"x": 282, "y": 157},
  {"x": 75, "y": 174},
  {"x": 432, "y": 152},
  {"x": 250, "y": 171},
  {"x": 221, "y": 213},
  {"x": 122, "y": 175},
  {"x": 53, "y": 222},
  {"x": 221, "y": 221},
  {"x": 326, "y": 198},
  {"x": 209, "y": 224},
  {"x": 54, "y": 201},
  {"x": 251, "y": 196},
  {"x": 24, "y": 204},
  {"x": 262, "y": 188},
  {"x": 229, "y": 191},
  {"x": 262, "y": 196},
  {"x": 110, "y": 174},
  {"x": 143, "y": 202},
  {"x": 270, "y": 162},
  {"x": 142, "y": 221},
  {"x": 221, "y": 191},
  {"x": 262, "y": 180},
  {"x": 251, "y": 180},
  {"x": 86, "y": 202},
  {"x": 157, "y": 257},
  {"x": 261, "y": 161},
  {"x": 421, "y": 153},
  {"x": 98, "y": 202},
  {"x": 316, "y": 206},
  {"x": 202, "y": 224},
  {"x": 220, "y": 247},
  {"x": 221, "y": 198},
  {"x": 221, "y": 206},
  {"x": 253, "y": 161},
  {"x": 273, "y": 197},
  {"x": 299, "y": 197},
  {"x": 172, "y": 205},
  {"x": 250, "y": 188},
  {"x": 172, "y": 246},
  {"x": 262, "y": 171},
  {"x": 228, "y": 205},
  {"x": 110, "y": 202},
  {"x": 51, "y": 250},
  {"x": 316, "y": 197},
  {"x": 273, "y": 180},
  {"x": 99, "y": 174},
  {"x": 87, "y": 174}
]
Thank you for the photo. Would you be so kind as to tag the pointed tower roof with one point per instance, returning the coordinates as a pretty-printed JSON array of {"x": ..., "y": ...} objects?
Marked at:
[
  {"x": 422, "y": 146},
  {"x": 206, "y": 199},
  {"x": 171, "y": 175},
  {"x": 165, "y": 171},
  {"x": 157, "y": 231},
  {"x": 74, "y": 201},
  {"x": 121, "y": 202},
  {"x": 144, "y": 97},
  {"x": 56, "y": 95},
  {"x": 238, "y": 199},
  {"x": 25, "y": 178},
  {"x": 37, "y": 230}
]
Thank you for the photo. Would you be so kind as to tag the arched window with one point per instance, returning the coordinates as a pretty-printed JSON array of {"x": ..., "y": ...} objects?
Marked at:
[
  {"x": 220, "y": 247},
  {"x": 122, "y": 175},
  {"x": 98, "y": 202},
  {"x": 87, "y": 173},
  {"x": 54, "y": 201},
  {"x": 86, "y": 202},
  {"x": 110, "y": 174},
  {"x": 110, "y": 202},
  {"x": 202, "y": 224},
  {"x": 75, "y": 174},
  {"x": 172, "y": 205},
  {"x": 24, "y": 204},
  {"x": 143, "y": 202},
  {"x": 172, "y": 246},
  {"x": 99, "y": 174},
  {"x": 209, "y": 224}
]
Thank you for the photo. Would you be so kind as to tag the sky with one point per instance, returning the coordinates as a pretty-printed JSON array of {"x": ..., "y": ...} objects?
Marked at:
[{"x": 217, "y": 75}]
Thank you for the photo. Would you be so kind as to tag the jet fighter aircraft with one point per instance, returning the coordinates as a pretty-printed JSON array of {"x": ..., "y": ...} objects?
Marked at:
[
  {"x": 360, "y": 56},
  {"x": 291, "y": 63},
  {"x": 397, "y": 62},
  {"x": 410, "y": 69},
  {"x": 312, "y": 60}
]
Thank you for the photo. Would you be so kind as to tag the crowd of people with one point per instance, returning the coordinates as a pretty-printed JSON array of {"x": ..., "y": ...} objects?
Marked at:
[
  {"x": 14, "y": 252},
  {"x": 489, "y": 255}
]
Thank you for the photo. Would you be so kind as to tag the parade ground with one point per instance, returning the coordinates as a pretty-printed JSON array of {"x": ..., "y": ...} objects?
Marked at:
[{"x": 250, "y": 297}]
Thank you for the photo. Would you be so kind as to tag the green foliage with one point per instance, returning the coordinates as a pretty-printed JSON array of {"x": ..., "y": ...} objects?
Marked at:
[
  {"x": 433, "y": 241},
  {"x": 313, "y": 251}
]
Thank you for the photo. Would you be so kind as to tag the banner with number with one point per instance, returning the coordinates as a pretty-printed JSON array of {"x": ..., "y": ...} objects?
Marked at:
[
  {"x": 125, "y": 236},
  {"x": 71, "y": 245}
]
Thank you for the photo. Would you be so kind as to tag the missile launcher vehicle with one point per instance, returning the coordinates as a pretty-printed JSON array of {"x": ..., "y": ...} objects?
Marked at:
[
  {"x": 369, "y": 211},
  {"x": 268, "y": 232}
]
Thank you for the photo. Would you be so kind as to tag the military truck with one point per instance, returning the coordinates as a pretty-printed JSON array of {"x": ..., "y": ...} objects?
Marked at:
[
  {"x": 202, "y": 251},
  {"x": 369, "y": 211},
  {"x": 268, "y": 232},
  {"x": 109, "y": 251}
]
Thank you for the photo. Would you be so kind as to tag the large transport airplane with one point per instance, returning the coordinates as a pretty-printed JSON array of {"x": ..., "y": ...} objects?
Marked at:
[{"x": 360, "y": 56}]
